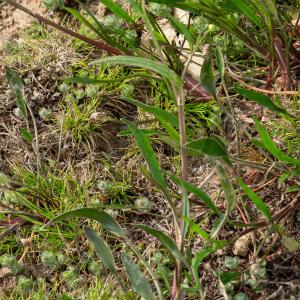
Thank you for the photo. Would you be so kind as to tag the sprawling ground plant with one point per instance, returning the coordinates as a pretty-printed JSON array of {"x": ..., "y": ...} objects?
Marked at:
[{"x": 161, "y": 60}]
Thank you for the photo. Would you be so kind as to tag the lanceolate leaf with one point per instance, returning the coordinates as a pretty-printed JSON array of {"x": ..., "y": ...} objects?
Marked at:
[
  {"x": 195, "y": 190},
  {"x": 182, "y": 28},
  {"x": 102, "y": 249},
  {"x": 26, "y": 135},
  {"x": 220, "y": 62},
  {"x": 17, "y": 86},
  {"x": 166, "y": 241},
  {"x": 148, "y": 154},
  {"x": 185, "y": 213},
  {"x": 229, "y": 195},
  {"x": 94, "y": 214},
  {"x": 261, "y": 99},
  {"x": 141, "y": 62},
  {"x": 137, "y": 278},
  {"x": 229, "y": 192},
  {"x": 208, "y": 146},
  {"x": 256, "y": 200},
  {"x": 272, "y": 148},
  {"x": 13, "y": 79},
  {"x": 207, "y": 76}
]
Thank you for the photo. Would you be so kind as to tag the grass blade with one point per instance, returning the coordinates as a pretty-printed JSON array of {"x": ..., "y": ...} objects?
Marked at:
[
  {"x": 256, "y": 200},
  {"x": 166, "y": 119},
  {"x": 229, "y": 195},
  {"x": 261, "y": 99},
  {"x": 246, "y": 9},
  {"x": 271, "y": 146},
  {"x": 148, "y": 154},
  {"x": 141, "y": 62},
  {"x": 182, "y": 28},
  {"x": 117, "y": 10},
  {"x": 220, "y": 62},
  {"x": 94, "y": 214},
  {"x": 137, "y": 278},
  {"x": 229, "y": 192},
  {"x": 102, "y": 249},
  {"x": 195, "y": 190},
  {"x": 81, "y": 19},
  {"x": 185, "y": 213},
  {"x": 198, "y": 258}
]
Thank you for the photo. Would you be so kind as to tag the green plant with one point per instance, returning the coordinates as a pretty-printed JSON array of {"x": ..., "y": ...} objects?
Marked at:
[{"x": 165, "y": 63}]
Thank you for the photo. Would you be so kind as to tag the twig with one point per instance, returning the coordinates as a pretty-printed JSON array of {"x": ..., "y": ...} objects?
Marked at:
[
  {"x": 276, "y": 218},
  {"x": 234, "y": 76}
]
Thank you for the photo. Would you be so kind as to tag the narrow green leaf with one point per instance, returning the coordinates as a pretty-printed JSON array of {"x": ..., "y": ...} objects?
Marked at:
[
  {"x": 182, "y": 28},
  {"x": 168, "y": 120},
  {"x": 117, "y": 10},
  {"x": 185, "y": 213},
  {"x": 147, "y": 132},
  {"x": 137, "y": 278},
  {"x": 246, "y": 9},
  {"x": 156, "y": 111},
  {"x": 195, "y": 190},
  {"x": 218, "y": 224},
  {"x": 208, "y": 146},
  {"x": 206, "y": 251},
  {"x": 229, "y": 195},
  {"x": 256, "y": 200},
  {"x": 13, "y": 79},
  {"x": 81, "y": 19},
  {"x": 17, "y": 86},
  {"x": 141, "y": 62},
  {"x": 271, "y": 7},
  {"x": 195, "y": 228},
  {"x": 91, "y": 213},
  {"x": 229, "y": 192},
  {"x": 207, "y": 78},
  {"x": 170, "y": 141},
  {"x": 166, "y": 241},
  {"x": 148, "y": 154},
  {"x": 261, "y": 99},
  {"x": 220, "y": 62},
  {"x": 26, "y": 135},
  {"x": 102, "y": 249},
  {"x": 199, "y": 257},
  {"x": 271, "y": 146}
]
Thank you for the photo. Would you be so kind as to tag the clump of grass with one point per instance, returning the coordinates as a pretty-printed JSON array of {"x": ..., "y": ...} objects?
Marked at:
[{"x": 37, "y": 48}]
